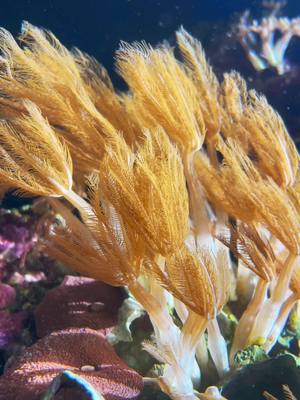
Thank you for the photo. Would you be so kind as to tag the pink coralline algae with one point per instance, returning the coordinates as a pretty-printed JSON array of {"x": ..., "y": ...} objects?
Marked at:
[
  {"x": 85, "y": 352},
  {"x": 82, "y": 302}
]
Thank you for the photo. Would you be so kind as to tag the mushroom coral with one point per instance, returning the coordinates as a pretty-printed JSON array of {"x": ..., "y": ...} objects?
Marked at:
[
  {"x": 82, "y": 302},
  {"x": 94, "y": 360}
]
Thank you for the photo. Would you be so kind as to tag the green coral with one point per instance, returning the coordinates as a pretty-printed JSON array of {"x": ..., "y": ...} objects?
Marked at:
[{"x": 250, "y": 355}]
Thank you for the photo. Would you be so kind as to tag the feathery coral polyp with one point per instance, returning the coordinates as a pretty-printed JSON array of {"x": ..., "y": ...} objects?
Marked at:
[{"x": 168, "y": 179}]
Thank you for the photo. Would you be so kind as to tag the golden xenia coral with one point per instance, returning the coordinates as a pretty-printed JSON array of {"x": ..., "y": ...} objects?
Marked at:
[{"x": 168, "y": 179}]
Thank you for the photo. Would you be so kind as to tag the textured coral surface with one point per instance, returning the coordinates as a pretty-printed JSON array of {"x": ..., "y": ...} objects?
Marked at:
[{"x": 83, "y": 351}]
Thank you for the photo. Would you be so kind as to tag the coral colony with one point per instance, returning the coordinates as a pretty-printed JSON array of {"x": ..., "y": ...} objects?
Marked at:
[
  {"x": 266, "y": 41},
  {"x": 186, "y": 191}
]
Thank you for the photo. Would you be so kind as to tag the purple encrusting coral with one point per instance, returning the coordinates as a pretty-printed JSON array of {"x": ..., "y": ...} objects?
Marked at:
[
  {"x": 10, "y": 326},
  {"x": 7, "y": 295},
  {"x": 10, "y": 323},
  {"x": 17, "y": 238}
]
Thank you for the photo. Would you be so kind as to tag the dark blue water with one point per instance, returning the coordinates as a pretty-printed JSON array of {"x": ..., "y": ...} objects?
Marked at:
[{"x": 97, "y": 26}]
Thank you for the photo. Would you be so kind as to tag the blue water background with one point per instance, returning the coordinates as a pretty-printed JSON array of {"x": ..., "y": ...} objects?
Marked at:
[{"x": 97, "y": 26}]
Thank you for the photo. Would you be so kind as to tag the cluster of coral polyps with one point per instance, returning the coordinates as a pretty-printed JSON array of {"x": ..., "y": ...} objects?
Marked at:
[
  {"x": 170, "y": 179},
  {"x": 266, "y": 41}
]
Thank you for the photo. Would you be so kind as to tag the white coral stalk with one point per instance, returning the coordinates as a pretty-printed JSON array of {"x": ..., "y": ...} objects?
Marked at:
[
  {"x": 217, "y": 347},
  {"x": 262, "y": 34}
]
